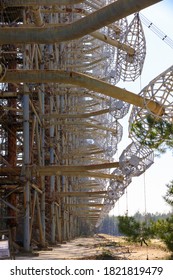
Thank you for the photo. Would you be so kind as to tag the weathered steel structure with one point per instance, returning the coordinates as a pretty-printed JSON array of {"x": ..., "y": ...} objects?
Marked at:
[{"x": 60, "y": 61}]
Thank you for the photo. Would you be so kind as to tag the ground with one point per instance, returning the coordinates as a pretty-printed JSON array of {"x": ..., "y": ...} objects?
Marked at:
[{"x": 101, "y": 246}]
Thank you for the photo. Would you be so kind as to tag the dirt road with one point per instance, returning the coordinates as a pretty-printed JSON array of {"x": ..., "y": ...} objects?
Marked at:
[{"x": 101, "y": 247}]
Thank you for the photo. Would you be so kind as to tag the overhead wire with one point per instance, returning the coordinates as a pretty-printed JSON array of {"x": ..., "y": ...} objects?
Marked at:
[{"x": 165, "y": 38}]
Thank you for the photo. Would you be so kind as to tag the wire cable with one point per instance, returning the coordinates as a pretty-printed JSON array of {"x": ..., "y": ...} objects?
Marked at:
[{"x": 157, "y": 31}]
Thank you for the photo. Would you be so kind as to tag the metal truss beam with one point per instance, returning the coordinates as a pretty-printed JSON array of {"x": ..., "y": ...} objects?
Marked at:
[
  {"x": 49, "y": 172},
  {"x": 76, "y": 116},
  {"x": 82, "y": 80},
  {"x": 77, "y": 29},
  {"x": 29, "y": 3},
  {"x": 82, "y": 194},
  {"x": 71, "y": 168},
  {"x": 93, "y": 205}
]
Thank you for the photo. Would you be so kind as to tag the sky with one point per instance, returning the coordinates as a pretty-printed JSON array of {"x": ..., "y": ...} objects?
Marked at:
[{"x": 145, "y": 193}]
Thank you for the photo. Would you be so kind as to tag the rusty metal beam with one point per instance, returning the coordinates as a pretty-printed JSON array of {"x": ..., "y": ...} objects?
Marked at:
[
  {"x": 12, "y": 151},
  {"x": 9, "y": 205},
  {"x": 82, "y": 80},
  {"x": 76, "y": 116},
  {"x": 7, "y": 94},
  {"x": 84, "y": 205},
  {"x": 29, "y": 3},
  {"x": 82, "y": 193},
  {"x": 49, "y": 171},
  {"x": 57, "y": 170},
  {"x": 37, "y": 16},
  {"x": 113, "y": 42},
  {"x": 77, "y": 29},
  {"x": 13, "y": 171},
  {"x": 76, "y": 168}
]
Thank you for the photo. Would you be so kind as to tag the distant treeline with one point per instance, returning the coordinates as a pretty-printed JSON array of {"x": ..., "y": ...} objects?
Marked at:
[{"x": 110, "y": 223}]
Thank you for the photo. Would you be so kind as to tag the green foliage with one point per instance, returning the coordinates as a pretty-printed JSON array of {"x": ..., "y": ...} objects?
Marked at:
[
  {"x": 110, "y": 224},
  {"x": 129, "y": 227},
  {"x": 169, "y": 194},
  {"x": 158, "y": 225},
  {"x": 134, "y": 229},
  {"x": 163, "y": 229},
  {"x": 150, "y": 216},
  {"x": 158, "y": 134}
]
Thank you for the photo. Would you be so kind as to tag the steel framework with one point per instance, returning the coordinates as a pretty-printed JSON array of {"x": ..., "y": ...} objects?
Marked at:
[{"x": 60, "y": 61}]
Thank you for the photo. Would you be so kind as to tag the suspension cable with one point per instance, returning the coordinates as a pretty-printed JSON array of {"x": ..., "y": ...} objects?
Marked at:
[{"x": 157, "y": 31}]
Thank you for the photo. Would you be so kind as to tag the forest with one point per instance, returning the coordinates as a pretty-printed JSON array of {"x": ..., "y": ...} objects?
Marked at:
[{"x": 110, "y": 224}]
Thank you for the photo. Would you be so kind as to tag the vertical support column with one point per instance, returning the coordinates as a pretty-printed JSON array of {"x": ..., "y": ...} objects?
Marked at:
[
  {"x": 26, "y": 150},
  {"x": 52, "y": 178},
  {"x": 63, "y": 210},
  {"x": 12, "y": 154},
  {"x": 59, "y": 217},
  {"x": 26, "y": 166},
  {"x": 60, "y": 223},
  {"x": 12, "y": 146},
  {"x": 42, "y": 98},
  {"x": 65, "y": 226}
]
